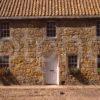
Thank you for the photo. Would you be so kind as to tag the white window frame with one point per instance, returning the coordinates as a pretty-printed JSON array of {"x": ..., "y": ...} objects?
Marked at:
[{"x": 78, "y": 61}]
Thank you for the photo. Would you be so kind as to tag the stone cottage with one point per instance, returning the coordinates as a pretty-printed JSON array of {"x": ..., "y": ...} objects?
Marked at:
[{"x": 54, "y": 42}]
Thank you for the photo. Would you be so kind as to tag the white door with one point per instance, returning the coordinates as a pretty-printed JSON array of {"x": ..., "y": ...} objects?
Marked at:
[{"x": 52, "y": 70}]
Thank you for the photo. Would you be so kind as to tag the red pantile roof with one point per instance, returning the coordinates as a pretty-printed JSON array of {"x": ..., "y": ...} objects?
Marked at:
[{"x": 49, "y": 8}]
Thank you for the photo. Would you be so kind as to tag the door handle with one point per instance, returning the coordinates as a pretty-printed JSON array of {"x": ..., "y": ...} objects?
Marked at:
[{"x": 51, "y": 70}]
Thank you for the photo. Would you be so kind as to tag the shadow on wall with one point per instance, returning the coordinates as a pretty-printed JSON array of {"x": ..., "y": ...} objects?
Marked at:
[
  {"x": 7, "y": 79},
  {"x": 81, "y": 78}
]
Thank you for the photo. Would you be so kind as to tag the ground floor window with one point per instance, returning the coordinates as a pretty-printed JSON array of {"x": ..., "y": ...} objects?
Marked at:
[
  {"x": 98, "y": 64},
  {"x": 4, "y": 61},
  {"x": 73, "y": 64},
  {"x": 72, "y": 61}
]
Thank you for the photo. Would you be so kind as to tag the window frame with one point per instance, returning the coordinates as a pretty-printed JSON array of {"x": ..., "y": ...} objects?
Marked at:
[
  {"x": 3, "y": 63},
  {"x": 77, "y": 61},
  {"x": 4, "y": 27},
  {"x": 98, "y": 29},
  {"x": 98, "y": 62},
  {"x": 52, "y": 29}
]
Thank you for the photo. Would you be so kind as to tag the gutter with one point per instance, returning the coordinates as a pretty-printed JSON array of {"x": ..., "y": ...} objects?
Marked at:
[{"x": 49, "y": 17}]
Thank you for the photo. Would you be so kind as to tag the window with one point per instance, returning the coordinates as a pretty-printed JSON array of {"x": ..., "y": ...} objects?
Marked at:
[
  {"x": 72, "y": 61},
  {"x": 4, "y": 30},
  {"x": 51, "y": 29},
  {"x": 4, "y": 61},
  {"x": 98, "y": 64},
  {"x": 98, "y": 29}
]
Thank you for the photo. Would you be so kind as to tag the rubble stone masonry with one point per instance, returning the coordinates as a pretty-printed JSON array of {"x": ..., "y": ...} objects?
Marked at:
[{"x": 28, "y": 45}]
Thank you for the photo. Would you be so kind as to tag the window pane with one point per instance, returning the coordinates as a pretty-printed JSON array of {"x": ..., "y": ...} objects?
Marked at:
[
  {"x": 4, "y": 61},
  {"x": 51, "y": 29},
  {"x": 99, "y": 61},
  {"x": 4, "y": 30},
  {"x": 51, "y": 33},
  {"x": 72, "y": 61},
  {"x": 0, "y": 60},
  {"x": 98, "y": 29}
]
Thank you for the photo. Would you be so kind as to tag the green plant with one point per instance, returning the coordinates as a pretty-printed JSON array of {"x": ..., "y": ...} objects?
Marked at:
[
  {"x": 74, "y": 70},
  {"x": 4, "y": 71},
  {"x": 7, "y": 71},
  {"x": 98, "y": 70}
]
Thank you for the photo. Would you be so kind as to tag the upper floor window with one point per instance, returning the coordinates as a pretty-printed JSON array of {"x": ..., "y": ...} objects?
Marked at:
[
  {"x": 4, "y": 30},
  {"x": 98, "y": 29},
  {"x": 51, "y": 29},
  {"x": 72, "y": 61},
  {"x": 4, "y": 61}
]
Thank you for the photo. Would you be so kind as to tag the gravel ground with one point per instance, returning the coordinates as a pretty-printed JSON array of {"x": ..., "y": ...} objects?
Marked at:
[{"x": 50, "y": 93}]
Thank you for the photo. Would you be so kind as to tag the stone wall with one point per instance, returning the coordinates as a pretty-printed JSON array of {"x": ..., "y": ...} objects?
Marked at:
[{"x": 28, "y": 45}]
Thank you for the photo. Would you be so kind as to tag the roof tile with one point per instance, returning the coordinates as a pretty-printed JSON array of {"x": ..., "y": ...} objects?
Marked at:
[{"x": 54, "y": 8}]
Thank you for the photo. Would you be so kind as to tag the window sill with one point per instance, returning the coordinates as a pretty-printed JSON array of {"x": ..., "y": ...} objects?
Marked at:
[
  {"x": 5, "y": 38},
  {"x": 51, "y": 38}
]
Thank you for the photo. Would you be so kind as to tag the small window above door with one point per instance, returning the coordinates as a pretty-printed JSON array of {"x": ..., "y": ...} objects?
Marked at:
[
  {"x": 98, "y": 29},
  {"x": 51, "y": 29}
]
